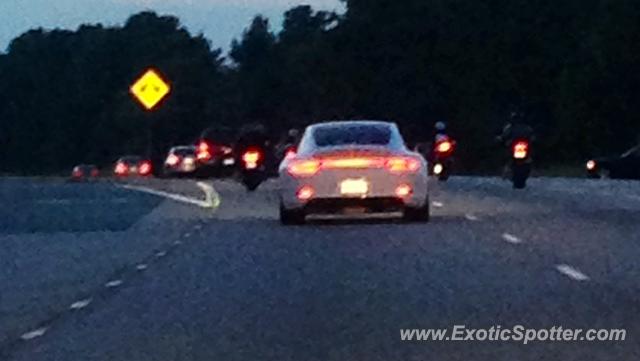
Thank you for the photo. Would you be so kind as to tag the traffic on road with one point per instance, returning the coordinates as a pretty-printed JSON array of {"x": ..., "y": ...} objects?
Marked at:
[{"x": 364, "y": 180}]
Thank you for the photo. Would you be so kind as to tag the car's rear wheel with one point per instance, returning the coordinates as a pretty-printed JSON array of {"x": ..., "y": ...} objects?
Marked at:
[
  {"x": 289, "y": 217},
  {"x": 420, "y": 214}
]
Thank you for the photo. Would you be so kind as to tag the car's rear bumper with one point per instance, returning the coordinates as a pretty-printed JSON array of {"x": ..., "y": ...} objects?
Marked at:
[{"x": 354, "y": 205}]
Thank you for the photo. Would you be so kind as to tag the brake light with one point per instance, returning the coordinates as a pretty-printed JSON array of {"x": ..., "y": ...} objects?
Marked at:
[
  {"x": 304, "y": 168},
  {"x": 145, "y": 168},
  {"x": 204, "y": 152},
  {"x": 403, "y": 165},
  {"x": 121, "y": 168},
  {"x": 353, "y": 163},
  {"x": 520, "y": 150},
  {"x": 290, "y": 153},
  {"x": 77, "y": 172},
  {"x": 173, "y": 160},
  {"x": 444, "y": 147},
  {"x": 251, "y": 159}
]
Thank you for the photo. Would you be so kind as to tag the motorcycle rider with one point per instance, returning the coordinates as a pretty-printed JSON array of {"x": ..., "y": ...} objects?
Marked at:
[
  {"x": 254, "y": 135},
  {"x": 516, "y": 128}
]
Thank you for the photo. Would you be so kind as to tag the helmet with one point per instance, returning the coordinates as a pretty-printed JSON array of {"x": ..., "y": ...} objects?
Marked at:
[{"x": 441, "y": 126}]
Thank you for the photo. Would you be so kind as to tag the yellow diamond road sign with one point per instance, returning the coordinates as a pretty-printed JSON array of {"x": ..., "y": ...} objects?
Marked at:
[{"x": 150, "y": 89}]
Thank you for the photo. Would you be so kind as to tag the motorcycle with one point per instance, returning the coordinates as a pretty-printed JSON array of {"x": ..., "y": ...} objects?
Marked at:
[
  {"x": 253, "y": 168},
  {"x": 520, "y": 163},
  {"x": 443, "y": 159}
]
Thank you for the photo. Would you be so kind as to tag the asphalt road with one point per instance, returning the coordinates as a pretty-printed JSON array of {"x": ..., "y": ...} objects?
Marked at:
[{"x": 235, "y": 285}]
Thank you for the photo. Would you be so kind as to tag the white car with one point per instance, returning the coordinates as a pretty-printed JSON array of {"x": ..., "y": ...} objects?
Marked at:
[{"x": 353, "y": 167}]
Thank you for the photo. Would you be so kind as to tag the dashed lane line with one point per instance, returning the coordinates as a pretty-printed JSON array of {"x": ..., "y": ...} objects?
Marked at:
[
  {"x": 572, "y": 273},
  {"x": 142, "y": 267},
  {"x": 113, "y": 284},
  {"x": 437, "y": 204},
  {"x": 511, "y": 238},
  {"x": 78, "y": 305},
  {"x": 471, "y": 217},
  {"x": 34, "y": 334}
]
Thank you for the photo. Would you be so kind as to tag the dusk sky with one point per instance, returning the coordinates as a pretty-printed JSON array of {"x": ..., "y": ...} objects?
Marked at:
[{"x": 219, "y": 20}]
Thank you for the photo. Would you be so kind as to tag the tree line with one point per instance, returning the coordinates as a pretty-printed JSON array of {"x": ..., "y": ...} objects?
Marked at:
[{"x": 571, "y": 67}]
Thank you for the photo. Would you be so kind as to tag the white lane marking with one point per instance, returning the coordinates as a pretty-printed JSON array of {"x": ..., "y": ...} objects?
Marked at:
[
  {"x": 161, "y": 254},
  {"x": 187, "y": 235},
  {"x": 511, "y": 238},
  {"x": 211, "y": 197},
  {"x": 438, "y": 204},
  {"x": 114, "y": 283},
  {"x": 471, "y": 217},
  {"x": 34, "y": 334},
  {"x": 572, "y": 272},
  {"x": 54, "y": 201},
  {"x": 197, "y": 227},
  {"x": 141, "y": 267},
  {"x": 172, "y": 196},
  {"x": 67, "y": 202},
  {"x": 177, "y": 243},
  {"x": 78, "y": 305}
]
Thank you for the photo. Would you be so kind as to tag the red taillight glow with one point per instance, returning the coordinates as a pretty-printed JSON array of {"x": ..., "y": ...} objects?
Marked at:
[
  {"x": 173, "y": 160},
  {"x": 521, "y": 150},
  {"x": 305, "y": 193},
  {"x": 403, "y": 165},
  {"x": 304, "y": 168},
  {"x": 95, "y": 173},
  {"x": 309, "y": 167},
  {"x": 121, "y": 169},
  {"x": 145, "y": 168},
  {"x": 403, "y": 191},
  {"x": 350, "y": 163},
  {"x": 290, "y": 154},
  {"x": 204, "y": 152},
  {"x": 77, "y": 172},
  {"x": 251, "y": 158},
  {"x": 444, "y": 147}
]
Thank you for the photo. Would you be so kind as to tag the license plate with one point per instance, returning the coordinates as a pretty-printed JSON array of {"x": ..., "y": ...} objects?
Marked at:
[
  {"x": 354, "y": 187},
  {"x": 351, "y": 211},
  {"x": 228, "y": 161},
  {"x": 134, "y": 169}
]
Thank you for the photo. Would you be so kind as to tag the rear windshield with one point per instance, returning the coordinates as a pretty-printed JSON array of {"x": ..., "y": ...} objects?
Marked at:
[
  {"x": 184, "y": 151},
  {"x": 352, "y": 135},
  {"x": 131, "y": 160}
]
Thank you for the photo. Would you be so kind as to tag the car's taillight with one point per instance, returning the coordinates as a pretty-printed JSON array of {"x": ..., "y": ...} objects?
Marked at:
[
  {"x": 304, "y": 167},
  {"x": 520, "y": 150},
  {"x": 173, "y": 160},
  {"x": 144, "y": 168},
  {"x": 353, "y": 163},
  {"x": 251, "y": 159},
  {"x": 121, "y": 168},
  {"x": 290, "y": 153},
  {"x": 204, "y": 152},
  {"x": 403, "y": 165},
  {"x": 77, "y": 172},
  {"x": 591, "y": 165}
]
